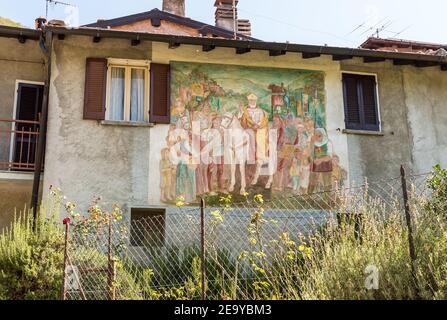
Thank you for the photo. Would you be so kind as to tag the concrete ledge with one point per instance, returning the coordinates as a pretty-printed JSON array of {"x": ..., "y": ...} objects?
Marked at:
[
  {"x": 15, "y": 175},
  {"x": 127, "y": 124},
  {"x": 364, "y": 132}
]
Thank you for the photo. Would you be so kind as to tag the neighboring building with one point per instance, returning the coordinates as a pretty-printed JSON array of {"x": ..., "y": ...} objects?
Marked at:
[
  {"x": 399, "y": 45},
  {"x": 21, "y": 87},
  {"x": 172, "y": 21},
  {"x": 118, "y": 101}
]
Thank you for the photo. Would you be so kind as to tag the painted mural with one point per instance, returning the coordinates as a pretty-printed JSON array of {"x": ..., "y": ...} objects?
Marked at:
[{"x": 242, "y": 130}]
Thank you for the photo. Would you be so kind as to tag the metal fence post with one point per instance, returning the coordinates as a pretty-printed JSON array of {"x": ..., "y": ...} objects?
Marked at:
[
  {"x": 409, "y": 227},
  {"x": 111, "y": 270},
  {"x": 64, "y": 282},
  {"x": 202, "y": 246},
  {"x": 111, "y": 279}
]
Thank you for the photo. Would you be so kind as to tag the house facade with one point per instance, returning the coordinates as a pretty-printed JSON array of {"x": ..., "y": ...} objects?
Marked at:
[
  {"x": 143, "y": 119},
  {"x": 21, "y": 89}
]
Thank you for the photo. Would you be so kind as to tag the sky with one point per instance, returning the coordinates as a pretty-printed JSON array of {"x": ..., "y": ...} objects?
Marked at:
[{"x": 345, "y": 23}]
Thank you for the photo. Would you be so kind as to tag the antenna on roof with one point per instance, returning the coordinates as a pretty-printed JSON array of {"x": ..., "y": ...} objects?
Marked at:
[
  {"x": 53, "y": 2},
  {"x": 383, "y": 28}
]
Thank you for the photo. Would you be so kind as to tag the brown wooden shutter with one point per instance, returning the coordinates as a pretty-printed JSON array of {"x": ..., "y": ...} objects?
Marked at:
[
  {"x": 160, "y": 108},
  {"x": 95, "y": 89},
  {"x": 351, "y": 99},
  {"x": 361, "y": 107},
  {"x": 369, "y": 96}
]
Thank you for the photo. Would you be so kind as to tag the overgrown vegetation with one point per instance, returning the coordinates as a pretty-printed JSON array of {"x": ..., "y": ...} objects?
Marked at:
[
  {"x": 31, "y": 263},
  {"x": 336, "y": 262}
]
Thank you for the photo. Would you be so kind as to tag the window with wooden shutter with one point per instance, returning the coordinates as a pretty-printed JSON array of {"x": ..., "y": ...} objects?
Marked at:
[
  {"x": 128, "y": 90},
  {"x": 160, "y": 107},
  {"x": 95, "y": 89},
  {"x": 360, "y": 99}
]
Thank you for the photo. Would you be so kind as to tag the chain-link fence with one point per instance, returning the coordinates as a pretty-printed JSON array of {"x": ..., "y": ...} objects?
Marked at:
[{"x": 218, "y": 251}]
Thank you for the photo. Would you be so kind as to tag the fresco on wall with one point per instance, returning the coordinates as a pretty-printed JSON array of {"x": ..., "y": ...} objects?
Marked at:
[{"x": 246, "y": 130}]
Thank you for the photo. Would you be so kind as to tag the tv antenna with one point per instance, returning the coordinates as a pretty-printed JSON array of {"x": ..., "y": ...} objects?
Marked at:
[
  {"x": 54, "y": 2},
  {"x": 383, "y": 28}
]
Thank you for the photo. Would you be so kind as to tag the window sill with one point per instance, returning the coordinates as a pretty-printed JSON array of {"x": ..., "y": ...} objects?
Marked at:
[
  {"x": 364, "y": 132},
  {"x": 127, "y": 124}
]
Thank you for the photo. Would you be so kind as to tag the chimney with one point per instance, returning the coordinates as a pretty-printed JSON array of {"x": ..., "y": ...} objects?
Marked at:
[
  {"x": 40, "y": 23},
  {"x": 174, "y": 6},
  {"x": 226, "y": 16}
]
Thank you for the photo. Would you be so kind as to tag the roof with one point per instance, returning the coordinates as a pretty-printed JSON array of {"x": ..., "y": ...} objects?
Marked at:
[
  {"x": 242, "y": 46},
  {"x": 203, "y": 28},
  {"x": 19, "y": 32},
  {"x": 400, "y": 45}
]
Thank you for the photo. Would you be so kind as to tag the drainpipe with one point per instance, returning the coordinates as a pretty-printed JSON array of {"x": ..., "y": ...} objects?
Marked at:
[{"x": 46, "y": 45}]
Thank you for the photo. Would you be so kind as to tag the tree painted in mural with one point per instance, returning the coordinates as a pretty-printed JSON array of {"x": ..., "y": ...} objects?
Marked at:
[{"x": 239, "y": 130}]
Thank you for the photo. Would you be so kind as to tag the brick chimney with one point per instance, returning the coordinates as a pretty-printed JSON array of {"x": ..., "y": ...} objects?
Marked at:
[
  {"x": 226, "y": 16},
  {"x": 174, "y": 6}
]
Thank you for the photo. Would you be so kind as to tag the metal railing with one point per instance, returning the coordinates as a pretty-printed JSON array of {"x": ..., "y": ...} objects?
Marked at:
[{"x": 18, "y": 144}]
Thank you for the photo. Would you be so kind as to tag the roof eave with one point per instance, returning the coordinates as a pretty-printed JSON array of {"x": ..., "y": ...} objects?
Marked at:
[
  {"x": 253, "y": 45},
  {"x": 17, "y": 32}
]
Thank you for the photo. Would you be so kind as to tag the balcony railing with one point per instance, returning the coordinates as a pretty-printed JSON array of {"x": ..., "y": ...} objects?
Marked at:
[{"x": 18, "y": 144}]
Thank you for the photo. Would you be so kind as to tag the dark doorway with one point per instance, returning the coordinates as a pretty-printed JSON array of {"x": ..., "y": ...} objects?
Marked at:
[{"x": 29, "y": 107}]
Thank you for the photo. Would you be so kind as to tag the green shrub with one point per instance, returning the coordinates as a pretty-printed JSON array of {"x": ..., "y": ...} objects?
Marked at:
[
  {"x": 31, "y": 263},
  {"x": 437, "y": 183}
]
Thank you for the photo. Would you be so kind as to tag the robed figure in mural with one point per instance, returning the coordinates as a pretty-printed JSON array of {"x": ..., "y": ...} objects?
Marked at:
[{"x": 255, "y": 121}]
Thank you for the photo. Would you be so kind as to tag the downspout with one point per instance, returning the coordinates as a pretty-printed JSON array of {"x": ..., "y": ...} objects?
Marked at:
[{"x": 46, "y": 45}]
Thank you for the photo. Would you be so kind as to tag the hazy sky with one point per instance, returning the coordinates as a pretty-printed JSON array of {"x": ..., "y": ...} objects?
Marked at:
[{"x": 332, "y": 22}]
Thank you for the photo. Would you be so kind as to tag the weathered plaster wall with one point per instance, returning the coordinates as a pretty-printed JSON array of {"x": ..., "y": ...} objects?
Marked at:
[
  {"x": 414, "y": 122},
  {"x": 17, "y": 62},
  {"x": 374, "y": 156},
  {"x": 85, "y": 158},
  {"x": 426, "y": 100},
  {"x": 121, "y": 164},
  {"x": 15, "y": 197}
]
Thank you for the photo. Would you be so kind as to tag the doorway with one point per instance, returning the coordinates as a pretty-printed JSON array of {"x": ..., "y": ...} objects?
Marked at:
[{"x": 26, "y": 125}]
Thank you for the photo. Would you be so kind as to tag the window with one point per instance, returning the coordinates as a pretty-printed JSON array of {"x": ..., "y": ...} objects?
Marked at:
[
  {"x": 361, "y": 103},
  {"x": 147, "y": 227},
  {"x": 127, "y": 90},
  {"x": 118, "y": 90}
]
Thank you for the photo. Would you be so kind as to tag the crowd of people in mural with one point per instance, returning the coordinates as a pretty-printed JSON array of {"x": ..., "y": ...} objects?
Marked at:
[{"x": 217, "y": 151}]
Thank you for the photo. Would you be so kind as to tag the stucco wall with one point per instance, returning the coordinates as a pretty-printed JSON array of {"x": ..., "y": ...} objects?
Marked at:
[
  {"x": 426, "y": 100},
  {"x": 15, "y": 197},
  {"x": 88, "y": 159},
  {"x": 121, "y": 164},
  {"x": 414, "y": 124},
  {"x": 375, "y": 156},
  {"x": 85, "y": 158},
  {"x": 17, "y": 62}
]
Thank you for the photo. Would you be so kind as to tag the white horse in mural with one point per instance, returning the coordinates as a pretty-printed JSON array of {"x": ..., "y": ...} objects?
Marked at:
[{"x": 236, "y": 143}]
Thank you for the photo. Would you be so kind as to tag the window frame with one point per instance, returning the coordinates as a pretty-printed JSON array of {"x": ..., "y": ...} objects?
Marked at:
[
  {"x": 363, "y": 127},
  {"x": 128, "y": 65}
]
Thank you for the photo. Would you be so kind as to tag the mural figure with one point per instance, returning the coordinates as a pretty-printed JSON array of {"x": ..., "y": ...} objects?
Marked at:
[
  {"x": 215, "y": 169},
  {"x": 255, "y": 121},
  {"x": 238, "y": 129},
  {"x": 236, "y": 142}
]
